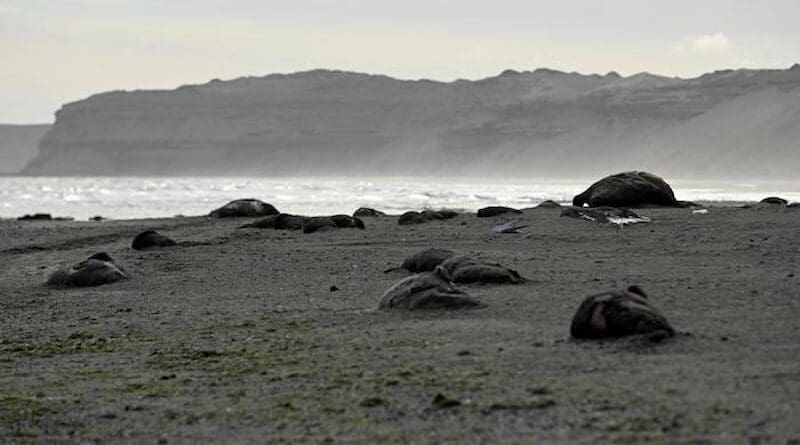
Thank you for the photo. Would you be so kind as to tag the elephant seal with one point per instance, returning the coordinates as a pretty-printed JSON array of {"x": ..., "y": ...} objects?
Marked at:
[
  {"x": 463, "y": 269},
  {"x": 347, "y": 222},
  {"x": 617, "y": 314},
  {"x": 427, "y": 290},
  {"x": 151, "y": 238},
  {"x": 629, "y": 189},
  {"x": 412, "y": 217},
  {"x": 267, "y": 222},
  {"x": 36, "y": 217},
  {"x": 366, "y": 212},
  {"x": 488, "y": 212},
  {"x": 96, "y": 270},
  {"x": 439, "y": 214},
  {"x": 318, "y": 224},
  {"x": 243, "y": 208},
  {"x": 774, "y": 200},
  {"x": 286, "y": 221},
  {"x": 426, "y": 260},
  {"x": 549, "y": 204}
]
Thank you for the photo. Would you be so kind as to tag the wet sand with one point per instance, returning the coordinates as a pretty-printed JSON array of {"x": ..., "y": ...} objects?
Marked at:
[{"x": 241, "y": 339}]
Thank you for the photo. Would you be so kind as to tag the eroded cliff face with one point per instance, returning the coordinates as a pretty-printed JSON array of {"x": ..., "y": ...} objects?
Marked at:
[{"x": 540, "y": 123}]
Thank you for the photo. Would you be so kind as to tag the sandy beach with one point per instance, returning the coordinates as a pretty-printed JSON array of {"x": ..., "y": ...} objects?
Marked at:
[{"x": 242, "y": 338}]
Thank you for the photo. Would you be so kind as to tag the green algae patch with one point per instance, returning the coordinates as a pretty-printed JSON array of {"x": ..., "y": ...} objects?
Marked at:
[
  {"x": 283, "y": 345},
  {"x": 76, "y": 343}
]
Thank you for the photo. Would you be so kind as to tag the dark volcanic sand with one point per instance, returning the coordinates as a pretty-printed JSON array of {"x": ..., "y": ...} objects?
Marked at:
[{"x": 242, "y": 340}]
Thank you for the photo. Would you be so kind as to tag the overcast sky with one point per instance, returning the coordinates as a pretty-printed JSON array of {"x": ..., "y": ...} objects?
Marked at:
[{"x": 57, "y": 51}]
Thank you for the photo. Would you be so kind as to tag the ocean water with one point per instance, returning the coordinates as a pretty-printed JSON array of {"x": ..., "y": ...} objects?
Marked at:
[{"x": 151, "y": 197}]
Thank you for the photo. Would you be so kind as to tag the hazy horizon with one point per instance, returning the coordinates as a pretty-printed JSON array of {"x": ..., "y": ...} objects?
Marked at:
[{"x": 66, "y": 51}]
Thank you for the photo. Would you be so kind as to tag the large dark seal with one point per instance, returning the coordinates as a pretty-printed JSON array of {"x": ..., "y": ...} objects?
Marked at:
[
  {"x": 488, "y": 212},
  {"x": 366, "y": 212},
  {"x": 244, "y": 207},
  {"x": 426, "y": 260},
  {"x": 318, "y": 224},
  {"x": 96, "y": 270},
  {"x": 439, "y": 214},
  {"x": 464, "y": 270},
  {"x": 410, "y": 218},
  {"x": 286, "y": 221},
  {"x": 347, "y": 222},
  {"x": 36, "y": 217},
  {"x": 617, "y": 314},
  {"x": 427, "y": 290},
  {"x": 629, "y": 189},
  {"x": 149, "y": 239},
  {"x": 774, "y": 200}
]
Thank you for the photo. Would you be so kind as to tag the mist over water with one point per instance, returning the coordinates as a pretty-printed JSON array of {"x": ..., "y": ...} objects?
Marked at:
[{"x": 152, "y": 197}]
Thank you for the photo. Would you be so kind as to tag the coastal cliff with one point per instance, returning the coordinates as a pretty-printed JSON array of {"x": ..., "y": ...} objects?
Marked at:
[
  {"x": 18, "y": 145},
  {"x": 532, "y": 123}
]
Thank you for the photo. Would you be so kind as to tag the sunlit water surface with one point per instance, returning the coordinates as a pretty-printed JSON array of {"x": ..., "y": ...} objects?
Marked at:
[{"x": 150, "y": 197}]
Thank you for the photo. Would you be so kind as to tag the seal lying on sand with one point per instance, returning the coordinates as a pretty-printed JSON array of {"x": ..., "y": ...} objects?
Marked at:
[
  {"x": 425, "y": 260},
  {"x": 611, "y": 215},
  {"x": 617, "y": 314},
  {"x": 96, "y": 270},
  {"x": 366, "y": 212},
  {"x": 464, "y": 269},
  {"x": 488, "y": 212},
  {"x": 549, "y": 204},
  {"x": 628, "y": 189},
  {"x": 427, "y": 290},
  {"x": 459, "y": 268},
  {"x": 286, "y": 221},
  {"x": 244, "y": 207},
  {"x": 347, "y": 222},
  {"x": 267, "y": 222},
  {"x": 318, "y": 224},
  {"x": 151, "y": 238},
  {"x": 36, "y": 217},
  {"x": 412, "y": 217},
  {"x": 774, "y": 200}
]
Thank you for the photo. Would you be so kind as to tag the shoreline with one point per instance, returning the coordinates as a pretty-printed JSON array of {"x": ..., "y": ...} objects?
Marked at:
[
  {"x": 239, "y": 336},
  {"x": 564, "y": 204}
]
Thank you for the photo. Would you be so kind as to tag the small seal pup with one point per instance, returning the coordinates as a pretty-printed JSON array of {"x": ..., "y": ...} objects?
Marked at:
[
  {"x": 267, "y": 222},
  {"x": 412, "y": 217},
  {"x": 488, "y": 212},
  {"x": 244, "y": 207},
  {"x": 464, "y": 270},
  {"x": 617, "y": 314},
  {"x": 151, "y": 238},
  {"x": 427, "y": 290},
  {"x": 96, "y": 270},
  {"x": 425, "y": 260}
]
